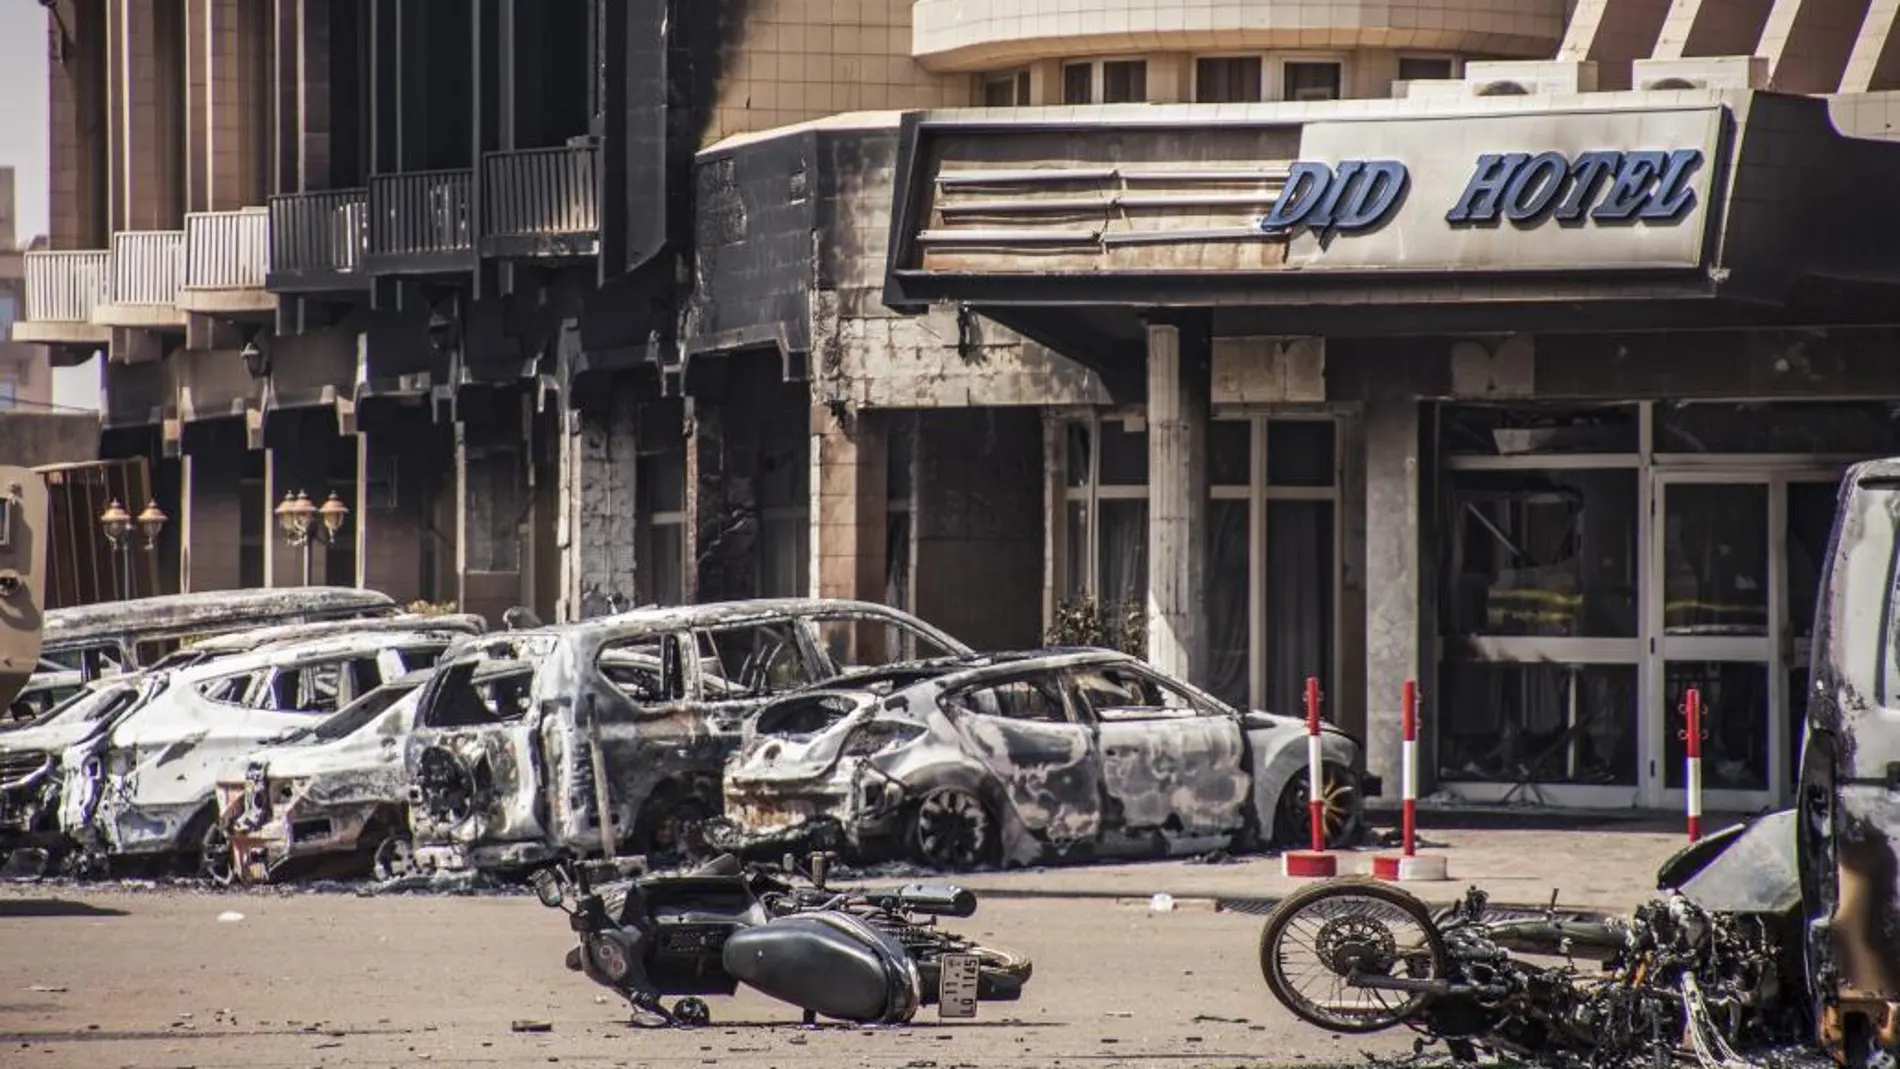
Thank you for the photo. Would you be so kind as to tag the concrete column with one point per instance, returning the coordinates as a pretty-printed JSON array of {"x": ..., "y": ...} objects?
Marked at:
[
  {"x": 1807, "y": 43},
  {"x": 850, "y": 481},
  {"x": 1611, "y": 33},
  {"x": 1395, "y": 615},
  {"x": 599, "y": 463},
  {"x": 1180, "y": 387},
  {"x": 211, "y": 527},
  {"x": 1712, "y": 28},
  {"x": 390, "y": 502},
  {"x": 146, "y": 70},
  {"x": 1874, "y": 64}
]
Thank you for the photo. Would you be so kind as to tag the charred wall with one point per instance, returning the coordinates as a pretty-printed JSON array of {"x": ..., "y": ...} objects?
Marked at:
[{"x": 979, "y": 530}]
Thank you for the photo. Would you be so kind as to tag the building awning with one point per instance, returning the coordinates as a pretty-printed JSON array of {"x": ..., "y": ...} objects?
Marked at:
[{"x": 1640, "y": 209}]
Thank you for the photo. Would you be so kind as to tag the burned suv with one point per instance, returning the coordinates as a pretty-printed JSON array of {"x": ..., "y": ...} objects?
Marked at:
[{"x": 632, "y": 715}]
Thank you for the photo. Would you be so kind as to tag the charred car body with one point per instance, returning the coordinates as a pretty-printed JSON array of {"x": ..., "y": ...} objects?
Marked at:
[
  {"x": 1014, "y": 758},
  {"x": 630, "y": 715},
  {"x": 335, "y": 796},
  {"x": 83, "y": 642},
  {"x": 1784, "y": 929},
  {"x": 146, "y": 786}
]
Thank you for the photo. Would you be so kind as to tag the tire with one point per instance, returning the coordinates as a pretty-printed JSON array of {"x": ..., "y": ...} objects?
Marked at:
[
  {"x": 1000, "y": 974},
  {"x": 393, "y": 857},
  {"x": 1291, "y": 821},
  {"x": 207, "y": 854},
  {"x": 1281, "y": 918},
  {"x": 951, "y": 830}
]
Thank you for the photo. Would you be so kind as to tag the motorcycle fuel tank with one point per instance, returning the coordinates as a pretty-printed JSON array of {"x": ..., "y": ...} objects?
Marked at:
[{"x": 833, "y": 964}]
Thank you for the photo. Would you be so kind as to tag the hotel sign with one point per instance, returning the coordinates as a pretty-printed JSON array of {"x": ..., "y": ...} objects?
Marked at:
[
  {"x": 1577, "y": 190},
  {"x": 1602, "y": 187}
]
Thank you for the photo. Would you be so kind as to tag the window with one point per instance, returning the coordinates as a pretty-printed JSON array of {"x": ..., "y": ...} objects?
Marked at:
[
  {"x": 1311, "y": 81},
  {"x": 313, "y": 688},
  {"x": 1078, "y": 83},
  {"x": 1424, "y": 68},
  {"x": 784, "y": 490},
  {"x": 1227, "y": 79},
  {"x": 454, "y": 699},
  {"x": 1124, "y": 81},
  {"x": 1117, "y": 694},
  {"x": 230, "y": 690},
  {"x": 1008, "y": 89},
  {"x": 1034, "y": 700},
  {"x": 753, "y": 660},
  {"x": 639, "y": 668},
  {"x": 660, "y": 485},
  {"x": 9, "y": 310},
  {"x": 872, "y": 642}
]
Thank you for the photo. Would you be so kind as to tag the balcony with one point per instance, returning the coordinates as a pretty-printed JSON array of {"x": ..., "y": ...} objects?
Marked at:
[
  {"x": 62, "y": 290},
  {"x": 227, "y": 259},
  {"x": 317, "y": 241},
  {"x": 421, "y": 223},
  {"x": 145, "y": 274},
  {"x": 543, "y": 203},
  {"x": 976, "y": 35}
]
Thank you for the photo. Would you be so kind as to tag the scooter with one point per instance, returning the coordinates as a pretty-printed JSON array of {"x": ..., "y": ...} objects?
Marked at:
[{"x": 867, "y": 957}]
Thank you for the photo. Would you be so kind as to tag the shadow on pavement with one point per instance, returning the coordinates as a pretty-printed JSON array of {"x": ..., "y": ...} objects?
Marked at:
[{"x": 54, "y": 907}]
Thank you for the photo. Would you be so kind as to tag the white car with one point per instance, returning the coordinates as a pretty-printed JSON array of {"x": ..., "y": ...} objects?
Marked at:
[
  {"x": 1018, "y": 758},
  {"x": 147, "y": 787}
]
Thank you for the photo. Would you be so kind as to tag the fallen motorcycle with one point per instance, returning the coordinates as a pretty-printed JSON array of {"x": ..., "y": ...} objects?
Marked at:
[
  {"x": 1356, "y": 955},
  {"x": 868, "y": 957}
]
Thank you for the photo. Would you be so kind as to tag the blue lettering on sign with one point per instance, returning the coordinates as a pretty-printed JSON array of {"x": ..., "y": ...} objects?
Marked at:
[
  {"x": 1602, "y": 187},
  {"x": 1359, "y": 196}
]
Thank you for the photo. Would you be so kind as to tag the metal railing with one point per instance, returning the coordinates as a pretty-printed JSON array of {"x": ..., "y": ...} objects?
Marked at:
[
  {"x": 63, "y": 286},
  {"x": 319, "y": 231},
  {"x": 421, "y": 213},
  {"x": 541, "y": 192},
  {"x": 227, "y": 250},
  {"x": 148, "y": 267}
]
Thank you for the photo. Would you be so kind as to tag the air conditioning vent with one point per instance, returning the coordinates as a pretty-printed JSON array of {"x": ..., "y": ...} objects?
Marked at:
[{"x": 1504, "y": 89}]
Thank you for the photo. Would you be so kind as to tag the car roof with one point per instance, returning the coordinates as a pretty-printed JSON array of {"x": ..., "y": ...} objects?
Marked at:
[
  {"x": 293, "y": 652},
  {"x": 257, "y": 638},
  {"x": 655, "y": 619},
  {"x": 209, "y": 608}
]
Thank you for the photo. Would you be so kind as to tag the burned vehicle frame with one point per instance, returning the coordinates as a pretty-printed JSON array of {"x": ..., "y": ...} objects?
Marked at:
[
  {"x": 1023, "y": 757},
  {"x": 145, "y": 788},
  {"x": 1784, "y": 930},
  {"x": 631, "y": 716}
]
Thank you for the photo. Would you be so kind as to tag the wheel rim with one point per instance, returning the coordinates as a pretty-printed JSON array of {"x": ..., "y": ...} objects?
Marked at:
[
  {"x": 1339, "y": 803},
  {"x": 395, "y": 857},
  {"x": 953, "y": 831},
  {"x": 1331, "y": 938},
  {"x": 214, "y": 858}
]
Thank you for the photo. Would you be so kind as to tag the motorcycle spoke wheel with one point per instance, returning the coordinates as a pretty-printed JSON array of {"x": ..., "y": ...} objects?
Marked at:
[
  {"x": 953, "y": 832},
  {"x": 1319, "y": 937}
]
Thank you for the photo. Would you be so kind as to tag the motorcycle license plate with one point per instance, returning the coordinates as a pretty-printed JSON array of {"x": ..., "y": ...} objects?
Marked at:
[{"x": 956, "y": 986}]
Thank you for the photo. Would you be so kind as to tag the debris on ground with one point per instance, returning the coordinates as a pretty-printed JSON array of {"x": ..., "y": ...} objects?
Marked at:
[{"x": 531, "y": 1026}]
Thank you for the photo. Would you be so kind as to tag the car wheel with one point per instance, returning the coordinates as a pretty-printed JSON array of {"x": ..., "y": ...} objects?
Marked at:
[
  {"x": 1342, "y": 809},
  {"x": 395, "y": 857},
  {"x": 215, "y": 860},
  {"x": 952, "y": 830}
]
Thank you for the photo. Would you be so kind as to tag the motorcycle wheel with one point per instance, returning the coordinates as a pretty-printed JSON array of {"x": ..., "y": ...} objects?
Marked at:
[
  {"x": 1348, "y": 925},
  {"x": 692, "y": 1013},
  {"x": 1000, "y": 974}
]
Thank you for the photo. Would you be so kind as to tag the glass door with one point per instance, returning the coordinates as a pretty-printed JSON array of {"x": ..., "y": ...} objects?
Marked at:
[
  {"x": 1812, "y": 498},
  {"x": 1716, "y": 612}
]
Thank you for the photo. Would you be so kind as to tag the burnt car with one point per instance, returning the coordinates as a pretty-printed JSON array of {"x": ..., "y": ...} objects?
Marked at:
[
  {"x": 631, "y": 715},
  {"x": 83, "y": 642},
  {"x": 145, "y": 788},
  {"x": 333, "y": 798},
  {"x": 30, "y": 778},
  {"x": 1024, "y": 757}
]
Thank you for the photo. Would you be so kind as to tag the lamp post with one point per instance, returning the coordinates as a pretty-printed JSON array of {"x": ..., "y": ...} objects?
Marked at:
[
  {"x": 119, "y": 525},
  {"x": 304, "y": 523}
]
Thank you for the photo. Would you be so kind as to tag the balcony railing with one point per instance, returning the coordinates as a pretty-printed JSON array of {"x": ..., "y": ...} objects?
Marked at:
[
  {"x": 64, "y": 287},
  {"x": 317, "y": 240},
  {"x": 421, "y": 221},
  {"x": 227, "y": 250},
  {"x": 542, "y": 202},
  {"x": 148, "y": 267}
]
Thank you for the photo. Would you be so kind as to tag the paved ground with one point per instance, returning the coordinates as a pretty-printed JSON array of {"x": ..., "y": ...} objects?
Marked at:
[{"x": 101, "y": 976}]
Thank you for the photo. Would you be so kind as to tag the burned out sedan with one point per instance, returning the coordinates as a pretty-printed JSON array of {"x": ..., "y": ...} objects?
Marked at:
[
  {"x": 631, "y": 715},
  {"x": 1021, "y": 758}
]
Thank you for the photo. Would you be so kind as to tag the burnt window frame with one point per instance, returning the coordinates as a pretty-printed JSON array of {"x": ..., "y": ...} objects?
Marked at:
[{"x": 948, "y": 700}]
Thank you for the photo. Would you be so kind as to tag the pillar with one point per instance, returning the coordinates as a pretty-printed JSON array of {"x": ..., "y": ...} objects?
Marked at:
[
  {"x": 210, "y": 522},
  {"x": 850, "y": 496},
  {"x": 599, "y": 463},
  {"x": 1396, "y": 648},
  {"x": 1180, "y": 387}
]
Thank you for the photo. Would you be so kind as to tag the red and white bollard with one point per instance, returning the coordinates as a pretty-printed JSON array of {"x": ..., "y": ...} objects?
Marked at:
[
  {"x": 1407, "y": 865},
  {"x": 1316, "y": 862},
  {"x": 1692, "y": 746}
]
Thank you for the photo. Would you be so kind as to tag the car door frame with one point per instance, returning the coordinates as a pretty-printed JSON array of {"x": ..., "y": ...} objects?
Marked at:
[
  {"x": 1209, "y": 745},
  {"x": 512, "y": 814},
  {"x": 1015, "y": 800}
]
